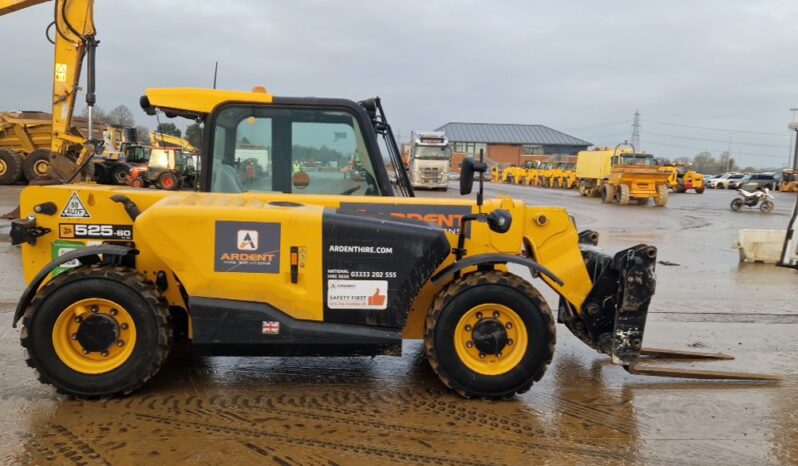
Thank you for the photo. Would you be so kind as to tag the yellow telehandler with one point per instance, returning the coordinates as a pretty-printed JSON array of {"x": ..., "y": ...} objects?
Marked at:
[{"x": 284, "y": 261}]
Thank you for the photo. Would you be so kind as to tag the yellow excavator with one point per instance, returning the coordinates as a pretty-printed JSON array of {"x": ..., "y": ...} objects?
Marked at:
[
  {"x": 284, "y": 261},
  {"x": 168, "y": 140}
]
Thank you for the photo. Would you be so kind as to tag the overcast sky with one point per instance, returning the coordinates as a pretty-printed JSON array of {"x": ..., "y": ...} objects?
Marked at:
[{"x": 581, "y": 67}]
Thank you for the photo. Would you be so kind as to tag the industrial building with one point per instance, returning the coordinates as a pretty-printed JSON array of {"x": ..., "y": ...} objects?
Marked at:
[{"x": 509, "y": 144}]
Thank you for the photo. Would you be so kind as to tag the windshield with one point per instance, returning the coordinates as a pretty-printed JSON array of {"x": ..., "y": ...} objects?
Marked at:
[
  {"x": 301, "y": 151},
  {"x": 427, "y": 152},
  {"x": 637, "y": 159},
  {"x": 137, "y": 154}
]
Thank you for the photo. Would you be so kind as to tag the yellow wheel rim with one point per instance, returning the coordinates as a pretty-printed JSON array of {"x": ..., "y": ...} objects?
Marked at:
[
  {"x": 73, "y": 325},
  {"x": 41, "y": 167},
  {"x": 508, "y": 357},
  {"x": 3, "y": 167}
]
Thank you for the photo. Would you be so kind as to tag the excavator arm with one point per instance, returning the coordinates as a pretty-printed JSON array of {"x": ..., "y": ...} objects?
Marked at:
[
  {"x": 73, "y": 35},
  {"x": 161, "y": 139}
]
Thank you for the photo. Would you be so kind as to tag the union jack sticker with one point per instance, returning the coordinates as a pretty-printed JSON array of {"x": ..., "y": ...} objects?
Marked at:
[{"x": 270, "y": 327}]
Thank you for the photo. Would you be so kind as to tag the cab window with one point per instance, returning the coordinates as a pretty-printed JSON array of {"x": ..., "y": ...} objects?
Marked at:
[{"x": 301, "y": 151}]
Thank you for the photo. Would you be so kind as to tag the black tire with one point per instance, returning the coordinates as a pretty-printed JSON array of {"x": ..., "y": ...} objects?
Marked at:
[
  {"x": 662, "y": 196},
  {"x": 121, "y": 285},
  {"x": 736, "y": 204},
  {"x": 680, "y": 189},
  {"x": 700, "y": 190},
  {"x": 582, "y": 188},
  {"x": 168, "y": 181},
  {"x": 766, "y": 206},
  {"x": 10, "y": 167},
  {"x": 36, "y": 164},
  {"x": 607, "y": 193},
  {"x": 496, "y": 288},
  {"x": 624, "y": 194},
  {"x": 119, "y": 173}
]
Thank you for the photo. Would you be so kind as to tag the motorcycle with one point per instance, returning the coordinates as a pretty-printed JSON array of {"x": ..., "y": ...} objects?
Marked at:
[{"x": 761, "y": 196}]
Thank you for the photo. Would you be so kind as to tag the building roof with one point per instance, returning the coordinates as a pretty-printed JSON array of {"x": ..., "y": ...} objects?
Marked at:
[{"x": 497, "y": 133}]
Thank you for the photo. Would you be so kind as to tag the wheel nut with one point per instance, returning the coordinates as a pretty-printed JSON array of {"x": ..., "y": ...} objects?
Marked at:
[
  {"x": 104, "y": 354},
  {"x": 123, "y": 326},
  {"x": 509, "y": 342},
  {"x": 481, "y": 356},
  {"x": 95, "y": 309},
  {"x": 495, "y": 314},
  {"x": 113, "y": 312},
  {"x": 120, "y": 343},
  {"x": 85, "y": 352},
  {"x": 78, "y": 319},
  {"x": 509, "y": 325},
  {"x": 479, "y": 315},
  {"x": 74, "y": 336},
  {"x": 498, "y": 355},
  {"x": 469, "y": 344},
  {"x": 467, "y": 328}
]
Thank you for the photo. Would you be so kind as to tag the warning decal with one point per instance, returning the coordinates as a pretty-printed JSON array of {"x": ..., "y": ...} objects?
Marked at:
[
  {"x": 74, "y": 208},
  {"x": 357, "y": 294},
  {"x": 61, "y": 72}
]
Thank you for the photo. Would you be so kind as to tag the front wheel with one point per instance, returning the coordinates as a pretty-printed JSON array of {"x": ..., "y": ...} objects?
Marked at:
[
  {"x": 736, "y": 204},
  {"x": 96, "y": 331},
  {"x": 607, "y": 192},
  {"x": 766, "y": 206},
  {"x": 489, "y": 335}
]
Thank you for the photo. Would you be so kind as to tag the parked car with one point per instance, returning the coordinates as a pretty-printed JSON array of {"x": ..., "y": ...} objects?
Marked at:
[
  {"x": 724, "y": 182},
  {"x": 756, "y": 180}
]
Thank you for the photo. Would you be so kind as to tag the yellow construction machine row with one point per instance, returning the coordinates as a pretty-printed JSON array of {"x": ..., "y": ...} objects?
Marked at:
[
  {"x": 621, "y": 175},
  {"x": 269, "y": 259}
]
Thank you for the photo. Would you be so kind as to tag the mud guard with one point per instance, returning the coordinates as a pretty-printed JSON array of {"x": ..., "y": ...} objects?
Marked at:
[
  {"x": 86, "y": 256},
  {"x": 492, "y": 259},
  {"x": 615, "y": 311}
]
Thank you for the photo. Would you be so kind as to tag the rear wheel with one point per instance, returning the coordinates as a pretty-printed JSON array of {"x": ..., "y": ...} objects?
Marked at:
[
  {"x": 766, "y": 206},
  {"x": 625, "y": 194},
  {"x": 119, "y": 173},
  {"x": 736, "y": 204},
  {"x": 700, "y": 190},
  {"x": 96, "y": 331},
  {"x": 36, "y": 164},
  {"x": 662, "y": 196},
  {"x": 607, "y": 192},
  {"x": 10, "y": 167},
  {"x": 582, "y": 187},
  {"x": 168, "y": 181},
  {"x": 489, "y": 335}
]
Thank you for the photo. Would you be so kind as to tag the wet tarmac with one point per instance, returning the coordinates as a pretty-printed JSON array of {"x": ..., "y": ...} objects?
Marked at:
[{"x": 388, "y": 410}]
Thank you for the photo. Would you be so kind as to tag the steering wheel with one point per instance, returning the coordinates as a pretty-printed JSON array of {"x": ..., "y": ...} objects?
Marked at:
[{"x": 351, "y": 190}]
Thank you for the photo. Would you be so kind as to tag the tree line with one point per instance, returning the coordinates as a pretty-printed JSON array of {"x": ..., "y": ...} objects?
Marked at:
[{"x": 706, "y": 163}]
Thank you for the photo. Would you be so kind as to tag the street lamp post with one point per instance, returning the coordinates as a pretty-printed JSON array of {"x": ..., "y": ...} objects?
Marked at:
[{"x": 790, "y": 152}]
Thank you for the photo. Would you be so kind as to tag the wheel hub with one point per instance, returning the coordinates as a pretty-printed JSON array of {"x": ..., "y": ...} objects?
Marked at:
[
  {"x": 489, "y": 336},
  {"x": 97, "y": 333}
]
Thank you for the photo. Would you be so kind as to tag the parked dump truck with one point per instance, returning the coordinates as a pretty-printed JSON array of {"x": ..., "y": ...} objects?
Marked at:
[
  {"x": 428, "y": 160},
  {"x": 25, "y": 147},
  {"x": 25, "y": 139},
  {"x": 621, "y": 175}
]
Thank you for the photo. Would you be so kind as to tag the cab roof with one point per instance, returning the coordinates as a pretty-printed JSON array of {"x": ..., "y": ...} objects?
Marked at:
[{"x": 194, "y": 101}]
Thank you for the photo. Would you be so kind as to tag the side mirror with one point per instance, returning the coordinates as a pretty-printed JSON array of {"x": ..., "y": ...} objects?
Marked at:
[{"x": 467, "y": 176}]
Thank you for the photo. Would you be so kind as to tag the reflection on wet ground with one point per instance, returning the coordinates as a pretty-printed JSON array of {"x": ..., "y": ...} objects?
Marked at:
[{"x": 394, "y": 411}]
